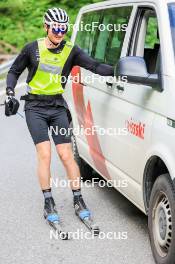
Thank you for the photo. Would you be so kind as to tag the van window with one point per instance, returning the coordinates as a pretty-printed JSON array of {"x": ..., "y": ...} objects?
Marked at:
[
  {"x": 152, "y": 36},
  {"x": 152, "y": 45},
  {"x": 87, "y": 31},
  {"x": 110, "y": 37},
  {"x": 105, "y": 39},
  {"x": 147, "y": 43}
]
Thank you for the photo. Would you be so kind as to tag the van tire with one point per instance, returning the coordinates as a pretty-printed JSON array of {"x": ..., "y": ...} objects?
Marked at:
[
  {"x": 86, "y": 170},
  {"x": 161, "y": 220}
]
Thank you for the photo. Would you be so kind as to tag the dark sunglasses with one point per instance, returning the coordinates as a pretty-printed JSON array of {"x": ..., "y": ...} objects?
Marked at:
[{"x": 59, "y": 30}]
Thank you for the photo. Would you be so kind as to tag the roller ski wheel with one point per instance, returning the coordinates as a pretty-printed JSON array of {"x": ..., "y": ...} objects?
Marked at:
[
  {"x": 84, "y": 215},
  {"x": 52, "y": 218}
]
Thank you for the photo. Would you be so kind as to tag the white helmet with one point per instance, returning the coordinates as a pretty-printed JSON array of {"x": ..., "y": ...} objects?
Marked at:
[{"x": 56, "y": 15}]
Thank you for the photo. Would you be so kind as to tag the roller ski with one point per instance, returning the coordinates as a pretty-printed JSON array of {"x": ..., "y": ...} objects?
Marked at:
[
  {"x": 84, "y": 215},
  {"x": 53, "y": 219}
]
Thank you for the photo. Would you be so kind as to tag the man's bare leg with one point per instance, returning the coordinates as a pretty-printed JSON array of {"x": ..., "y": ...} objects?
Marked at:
[
  {"x": 43, "y": 167},
  {"x": 44, "y": 159},
  {"x": 73, "y": 173}
]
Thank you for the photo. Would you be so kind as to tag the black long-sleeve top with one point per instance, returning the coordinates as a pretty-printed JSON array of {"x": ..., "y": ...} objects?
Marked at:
[{"x": 29, "y": 58}]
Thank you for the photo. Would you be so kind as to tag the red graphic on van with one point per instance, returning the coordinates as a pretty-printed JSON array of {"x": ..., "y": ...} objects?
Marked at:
[
  {"x": 85, "y": 119},
  {"x": 136, "y": 128}
]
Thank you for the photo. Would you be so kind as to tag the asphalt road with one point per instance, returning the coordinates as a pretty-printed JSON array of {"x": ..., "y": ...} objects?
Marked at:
[{"x": 24, "y": 235}]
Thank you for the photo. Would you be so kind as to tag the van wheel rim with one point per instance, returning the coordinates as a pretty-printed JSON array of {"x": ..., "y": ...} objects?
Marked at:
[{"x": 162, "y": 225}]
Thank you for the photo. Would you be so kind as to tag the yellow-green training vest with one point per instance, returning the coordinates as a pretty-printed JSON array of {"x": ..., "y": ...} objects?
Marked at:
[{"x": 47, "y": 79}]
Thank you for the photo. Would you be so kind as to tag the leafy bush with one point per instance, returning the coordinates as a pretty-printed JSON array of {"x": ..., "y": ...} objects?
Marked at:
[{"x": 22, "y": 20}]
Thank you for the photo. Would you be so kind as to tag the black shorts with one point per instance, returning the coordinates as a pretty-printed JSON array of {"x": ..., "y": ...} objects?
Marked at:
[{"x": 48, "y": 120}]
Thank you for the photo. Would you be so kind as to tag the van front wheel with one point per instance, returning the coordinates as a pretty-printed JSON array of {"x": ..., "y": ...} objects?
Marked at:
[{"x": 161, "y": 220}]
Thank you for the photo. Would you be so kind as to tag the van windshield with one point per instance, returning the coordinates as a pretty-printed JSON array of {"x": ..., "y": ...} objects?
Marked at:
[{"x": 171, "y": 10}]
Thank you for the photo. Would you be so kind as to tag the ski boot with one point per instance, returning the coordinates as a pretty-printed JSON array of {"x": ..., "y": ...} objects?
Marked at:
[
  {"x": 84, "y": 214},
  {"x": 53, "y": 219}
]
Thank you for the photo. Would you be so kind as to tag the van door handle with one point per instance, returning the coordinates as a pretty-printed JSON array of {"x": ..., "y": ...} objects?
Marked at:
[
  {"x": 120, "y": 88},
  {"x": 109, "y": 84}
]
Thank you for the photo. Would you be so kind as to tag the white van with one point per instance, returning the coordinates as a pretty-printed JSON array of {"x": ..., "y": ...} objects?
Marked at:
[{"x": 141, "y": 109}]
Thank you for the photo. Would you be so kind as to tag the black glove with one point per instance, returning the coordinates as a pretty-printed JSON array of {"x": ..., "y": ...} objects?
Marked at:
[
  {"x": 10, "y": 91},
  {"x": 11, "y": 104}
]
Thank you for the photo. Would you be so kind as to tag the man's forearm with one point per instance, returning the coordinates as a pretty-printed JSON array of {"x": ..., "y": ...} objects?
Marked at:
[
  {"x": 11, "y": 81},
  {"x": 17, "y": 68},
  {"x": 85, "y": 61},
  {"x": 105, "y": 70}
]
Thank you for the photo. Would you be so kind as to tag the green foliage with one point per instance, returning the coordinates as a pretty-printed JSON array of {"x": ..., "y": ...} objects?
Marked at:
[
  {"x": 151, "y": 34},
  {"x": 21, "y": 21},
  {"x": 7, "y": 6}
]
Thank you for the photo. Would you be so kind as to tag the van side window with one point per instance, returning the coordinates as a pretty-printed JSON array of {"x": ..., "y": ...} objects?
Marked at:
[
  {"x": 110, "y": 37},
  {"x": 105, "y": 39},
  {"x": 152, "y": 46},
  {"x": 152, "y": 36},
  {"x": 87, "y": 30},
  {"x": 147, "y": 42}
]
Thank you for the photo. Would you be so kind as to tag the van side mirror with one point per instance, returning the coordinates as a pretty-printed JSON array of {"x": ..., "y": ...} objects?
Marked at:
[{"x": 136, "y": 71}]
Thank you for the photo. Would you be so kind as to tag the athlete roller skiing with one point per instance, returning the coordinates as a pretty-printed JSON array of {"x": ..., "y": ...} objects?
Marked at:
[{"x": 46, "y": 107}]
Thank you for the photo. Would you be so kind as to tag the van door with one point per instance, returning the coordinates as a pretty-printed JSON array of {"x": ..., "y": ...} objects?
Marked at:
[
  {"x": 93, "y": 99},
  {"x": 127, "y": 106}
]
